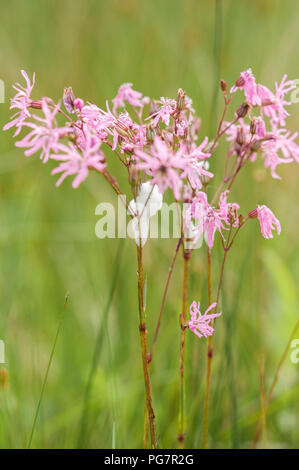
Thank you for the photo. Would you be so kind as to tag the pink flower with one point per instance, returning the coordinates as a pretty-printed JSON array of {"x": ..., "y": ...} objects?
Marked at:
[
  {"x": 267, "y": 220},
  {"x": 78, "y": 163},
  {"x": 196, "y": 164},
  {"x": 181, "y": 127},
  {"x": 163, "y": 166},
  {"x": 271, "y": 157},
  {"x": 234, "y": 129},
  {"x": 260, "y": 127},
  {"x": 209, "y": 219},
  {"x": 78, "y": 104},
  {"x": 98, "y": 120},
  {"x": 285, "y": 142},
  {"x": 246, "y": 81},
  {"x": 226, "y": 208},
  {"x": 22, "y": 102},
  {"x": 279, "y": 148},
  {"x": 127, "y": 94},
  {"x": 167, "y": 108},
  {"x": 200, "y": 324},
  {"x": 273, "y": 104},
  {"x": 71, "y": 103},
  {"x": 43, "y": 137}
]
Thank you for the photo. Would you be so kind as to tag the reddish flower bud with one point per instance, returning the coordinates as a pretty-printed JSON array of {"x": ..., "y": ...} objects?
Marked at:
[
  {"x": 243, "y": 110},
  {"x": 36, "y": 104},
  {"x": 240, "y": 82},
  {"x": 240, "y": 136},
  {"x": 223, "y": 86},
  {"x": 253, "y": 126},
  {"x": 68, "y": 99},
  {"x": 253, "y": 214}
]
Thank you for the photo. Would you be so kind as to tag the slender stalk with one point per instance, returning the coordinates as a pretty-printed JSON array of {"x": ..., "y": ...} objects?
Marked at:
[
  {"x": 209, "y": 357},
  {"x": 117, "y": 154},
  {"x": 47, "y": 372},
  {"x": 183, "y": 321},
  {"x": 210, "y": 345},
  {"x": 114, "y": 185},
  {"x": 143, "y": 342},
  {"x": 209, "y": 263},
  {"x": 145, "y": 429},
  {"x": 274, "y": 382},
  {"x": 150, "y": 357}
]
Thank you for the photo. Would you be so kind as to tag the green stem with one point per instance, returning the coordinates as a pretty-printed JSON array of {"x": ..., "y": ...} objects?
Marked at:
[{"x": 150, "y": 357}]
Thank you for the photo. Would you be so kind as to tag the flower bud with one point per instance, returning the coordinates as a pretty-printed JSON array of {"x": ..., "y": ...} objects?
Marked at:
[
  {"x": 240, "y": 82},
  {"x": 78, "y": 103},
  {"x": 36, "y": 104},
  {"x": 253, "y": 214},
  {"x": 133, "y": 174},
  {"x": 240, "y": 139},
  {"x": 180, "y": 102},
  {"x": 223, "y": 86},
  {"x": 243, "y": 110},
  {"x": 121, "y": 128},
  {"x": 232, "y": 214},
  {"x": 253, "y": 127},
  {"x": 150, "y": 132},
  {"x": 68, "y": 99}
]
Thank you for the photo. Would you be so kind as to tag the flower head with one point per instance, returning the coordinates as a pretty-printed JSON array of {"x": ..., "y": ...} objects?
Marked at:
[
  {"x": 74, "y": 162},
  {"x": 267, "y": 220},
  {"x": 200, "y": 324},
  {"x": 44, "y": 136},
  {"x": 21, "y": 101},
  {"x": 209, "y": 220},
  {"x": 127, "y": 94},
  {"x": 166, "y": 109},
  {"x": 196, "y": 164},
  {"x": 163, "y": 165},
  {"x": 246, "y": 81},
  {"x": 273, "y": 104}
]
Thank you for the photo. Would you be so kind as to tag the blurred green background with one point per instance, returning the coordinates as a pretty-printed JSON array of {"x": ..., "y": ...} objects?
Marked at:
[{"x": 48, "y": 244}]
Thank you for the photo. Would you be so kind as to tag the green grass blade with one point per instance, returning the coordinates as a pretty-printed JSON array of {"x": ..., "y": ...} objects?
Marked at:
[{"x": 47, "y": 372}]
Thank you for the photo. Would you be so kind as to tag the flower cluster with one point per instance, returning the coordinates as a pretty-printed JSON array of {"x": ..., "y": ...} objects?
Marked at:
[
  {"x": 158, "y": 143},
  {"x": 266, "y": 131}
]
